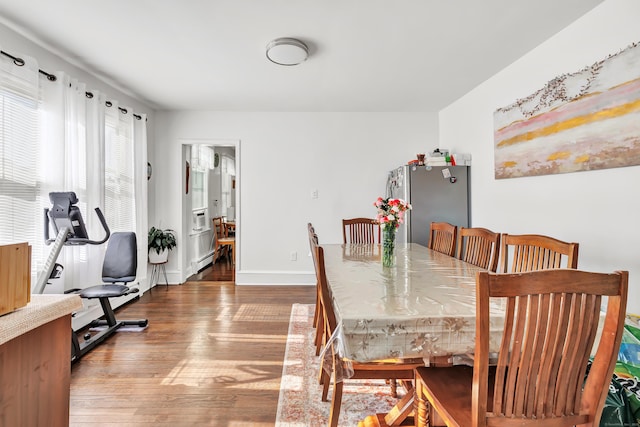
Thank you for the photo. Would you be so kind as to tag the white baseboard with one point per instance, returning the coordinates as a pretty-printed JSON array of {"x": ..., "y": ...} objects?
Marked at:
[
  {"x": 275, "y": 278},
  {"x": 245, "y": 277},
  {"x": 199, "y": 264}
]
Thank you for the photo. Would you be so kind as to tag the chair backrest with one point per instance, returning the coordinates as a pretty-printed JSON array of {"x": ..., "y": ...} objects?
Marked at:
[
  {"x": 218, "y": 227},
  {"x": 121, "y": 258},
  {"x": 479, "y": 246},
  {"x": 531, "y": 252},
  {"x": 549, "y": 330},
  {"x": 442, "y": 237},
  {"x": 65, "y": 213},
  {"x": 325, "y": 292},
  {"x": 360, "y": 230},
  {"x": 313, "y": 242}
]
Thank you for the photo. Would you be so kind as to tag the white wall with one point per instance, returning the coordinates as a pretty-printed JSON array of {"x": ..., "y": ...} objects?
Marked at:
[
  {"x": 283, "y": 157},
  {"x": 598, "y": 209}
]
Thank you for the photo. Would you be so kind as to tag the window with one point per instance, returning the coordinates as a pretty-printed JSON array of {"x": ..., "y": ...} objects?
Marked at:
[
  {"x": 201, "y": 163},
  {"x": 199, "y": 185},
  {"x": 20, "y": 185},
  {"x": 120, "y": 204}
]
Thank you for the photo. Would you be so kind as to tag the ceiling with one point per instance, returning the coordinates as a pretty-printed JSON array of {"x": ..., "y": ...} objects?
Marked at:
[{"x": 366, "y": 55}]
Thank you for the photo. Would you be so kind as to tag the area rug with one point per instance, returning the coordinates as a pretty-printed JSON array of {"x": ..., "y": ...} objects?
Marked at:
[{"x": 299, "y": 403}]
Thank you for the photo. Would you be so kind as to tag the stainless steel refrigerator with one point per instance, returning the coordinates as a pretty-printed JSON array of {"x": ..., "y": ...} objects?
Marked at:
[{"x": 437, "y": 193}]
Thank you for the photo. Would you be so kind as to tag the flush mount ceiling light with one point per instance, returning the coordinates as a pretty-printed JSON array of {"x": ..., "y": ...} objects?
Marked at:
[{"x": 287, "y": 51}]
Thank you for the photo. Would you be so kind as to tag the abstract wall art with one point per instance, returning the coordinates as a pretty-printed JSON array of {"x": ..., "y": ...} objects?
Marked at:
[{"x": 580, "y": 121}]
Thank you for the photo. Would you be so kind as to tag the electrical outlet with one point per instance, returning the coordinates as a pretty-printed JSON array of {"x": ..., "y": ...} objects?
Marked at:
[
  {"x": 294, "y": 256},
  {"x": 314, "y": 194}
]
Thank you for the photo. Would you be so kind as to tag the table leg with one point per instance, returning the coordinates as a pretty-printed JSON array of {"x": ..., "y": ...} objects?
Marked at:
[
  {"x": 421, "y": 416},
  {"x": 401, "y": 410}
]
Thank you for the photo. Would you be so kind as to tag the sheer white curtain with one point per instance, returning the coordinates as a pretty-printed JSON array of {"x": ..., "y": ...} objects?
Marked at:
[
  {"x": 125, "y": 176},
  {"x": 73, "y": 143},
  {"x": 141, "y": 183}
]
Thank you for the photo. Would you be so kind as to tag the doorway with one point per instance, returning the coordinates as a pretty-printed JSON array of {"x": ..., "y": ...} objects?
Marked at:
[{"x": 211, "y": 190}]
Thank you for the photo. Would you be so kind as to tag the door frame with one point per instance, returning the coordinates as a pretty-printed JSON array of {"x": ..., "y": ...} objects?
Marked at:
[{"x": 186, "y": 220}]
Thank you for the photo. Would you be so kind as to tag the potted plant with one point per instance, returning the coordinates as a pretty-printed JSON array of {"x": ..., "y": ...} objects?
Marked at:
[{"x": 159, "y": 244}]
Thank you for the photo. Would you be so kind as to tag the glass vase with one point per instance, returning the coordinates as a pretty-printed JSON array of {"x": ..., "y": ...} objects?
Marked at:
[{"x": 389, "y": 246}]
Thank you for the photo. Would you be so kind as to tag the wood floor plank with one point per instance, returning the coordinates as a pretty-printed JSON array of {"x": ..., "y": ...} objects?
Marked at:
[{"x": 211, "y": 356}]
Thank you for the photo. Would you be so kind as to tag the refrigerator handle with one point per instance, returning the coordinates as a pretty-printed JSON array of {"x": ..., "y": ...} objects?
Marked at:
[{"x": 389, "y": 191}]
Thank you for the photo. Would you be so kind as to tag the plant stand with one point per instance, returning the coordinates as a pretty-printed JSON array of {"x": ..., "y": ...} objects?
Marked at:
[{"x": 155, "y": 273}]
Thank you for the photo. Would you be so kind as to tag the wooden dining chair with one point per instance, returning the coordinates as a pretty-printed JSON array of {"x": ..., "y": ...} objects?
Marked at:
[
  {"x": 360, "y": 230},
  {"x": 334, "y": 365},
  {"x": 530, "y": 252},
  {"x": 230, "y": 228},
  {"x": 539, "y": 380},
  {"x": 318, "y": 322},
  {"x": 223, "y": 244},
  {"x": 479, "y": 246},
  {"x": 442, "y": 237}
]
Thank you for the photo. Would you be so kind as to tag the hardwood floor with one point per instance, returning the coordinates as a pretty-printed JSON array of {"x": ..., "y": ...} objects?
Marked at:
[
  {"x": 222, "y": 271},
  {"x": 211, "y": 356}
]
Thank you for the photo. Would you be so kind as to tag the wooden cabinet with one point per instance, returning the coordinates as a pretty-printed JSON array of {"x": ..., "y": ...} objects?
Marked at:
[{"x": 35, "y": 362}]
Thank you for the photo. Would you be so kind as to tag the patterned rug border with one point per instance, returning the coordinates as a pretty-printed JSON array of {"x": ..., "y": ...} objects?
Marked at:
[{"x": 299, "y": 403}]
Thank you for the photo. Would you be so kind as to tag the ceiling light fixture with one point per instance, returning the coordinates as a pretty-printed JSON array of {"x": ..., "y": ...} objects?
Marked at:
[{"x": 287, "y": 51}]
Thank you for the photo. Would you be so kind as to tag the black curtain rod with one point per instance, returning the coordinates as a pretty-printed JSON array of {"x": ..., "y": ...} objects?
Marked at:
[
  {"x": 110, "y": 104},
  {"x": 20, "y": 62}
]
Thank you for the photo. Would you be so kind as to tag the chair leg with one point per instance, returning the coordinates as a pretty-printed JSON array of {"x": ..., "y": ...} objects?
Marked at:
[
  {"x": 322, "y": 378},
  {"x": 319, "y": 342},
  {"x": 336, "y": 402},
  {"x": 319, "y": 312},
  {"x": 325, "y": 381},
  {"x": 316, "y": 314}
]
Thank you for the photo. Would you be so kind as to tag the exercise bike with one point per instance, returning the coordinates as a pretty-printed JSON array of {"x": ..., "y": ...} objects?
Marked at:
[{"x": 119, "y": 266}]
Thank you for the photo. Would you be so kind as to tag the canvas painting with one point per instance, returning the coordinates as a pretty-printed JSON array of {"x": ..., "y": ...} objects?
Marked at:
[{"x": 581, "y": 121}]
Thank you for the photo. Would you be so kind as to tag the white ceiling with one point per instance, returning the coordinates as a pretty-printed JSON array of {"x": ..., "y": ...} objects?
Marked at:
[{"x": 366, "y": 55}]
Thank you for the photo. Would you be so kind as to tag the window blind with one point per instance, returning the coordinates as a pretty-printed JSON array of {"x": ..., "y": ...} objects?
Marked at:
[
  {"x": 20, "y": 163},
  {"x": 120, "y": 204}
]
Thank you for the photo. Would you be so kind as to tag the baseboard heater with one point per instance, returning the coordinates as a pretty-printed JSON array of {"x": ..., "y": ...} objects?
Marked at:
[{"x": 203, "y": 261}]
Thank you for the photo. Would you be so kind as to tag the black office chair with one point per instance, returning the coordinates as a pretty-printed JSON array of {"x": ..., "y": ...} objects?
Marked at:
[{"x": 118, "y": 269}]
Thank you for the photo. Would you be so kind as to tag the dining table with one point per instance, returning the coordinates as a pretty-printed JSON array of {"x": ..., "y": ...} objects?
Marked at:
[{"x": 422, "y": 307}]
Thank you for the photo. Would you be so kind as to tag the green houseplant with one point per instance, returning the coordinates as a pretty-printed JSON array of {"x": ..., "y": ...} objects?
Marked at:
[{"x": 160, "y": 242}]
